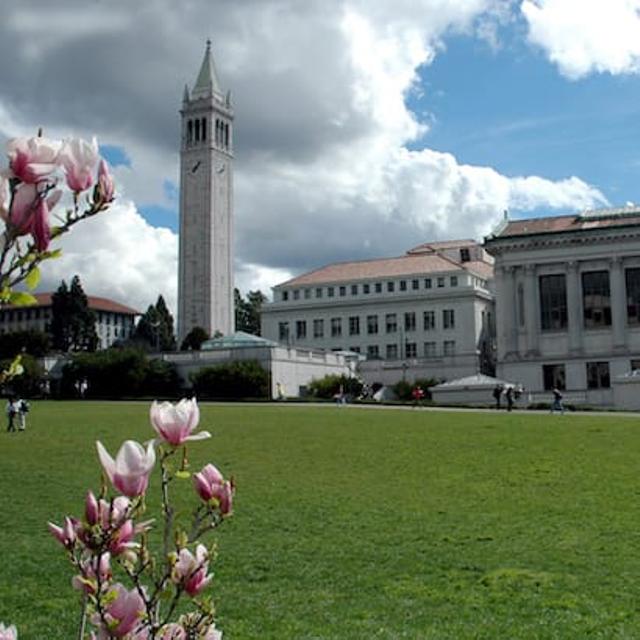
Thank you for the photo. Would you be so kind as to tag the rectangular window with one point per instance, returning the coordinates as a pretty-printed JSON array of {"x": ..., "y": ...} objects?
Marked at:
[
  {"x": 373, "y": 352},
  {"x": 410, "y": 350},
  {"x": 391, "y": 322},
  {"x": 336, "y": 327},
  {"x": 440, "y": 282},
  {"x": 415, "y": 284},
  {"x": 330, "y": 292},
  {"x": 372, "y": 325},
  {"x": 596, "y": 299},
  {"x": 553, "y": 302},
  {"x": 429, "y": 320},
  {"x": 307, "y": 294},
  {"x": 285, "y": 296},
  {"x": 354, "y": 326},
  {"x": 429, "y": 349},
  {"x": 453, "y": 281},
  {"x": 390, "y": 287},
  {"x": 410, "y": 321},
  {"x": 553, "y": 376},
  {"x": 449, "y": 347},
  {"x": 355, "y": 349},
  {"x": 319, "y": 292},
  {"x": 343, "y": 292},
  {"x": 427, "y": 283},
  {"x": 378, "y": 287},
  {"x": 598, "y": 375},
  {"x": 403, "y": 285},
  {"x": 318, "y": 328},
  {"x": 448, "y": 319},
  {"x": 464, "y": 255},
  {"x": 635, "y": 365},
  {"x": 296, "y": 294},
  {"x": 632, "y": 279},
  {"x": 283, "y": 331},
  {"x": 392, "y": 352},
  {"x": 301, "y": 329},
  {"x": 366, "y": 288},
  {"x": 354, "y": 289}
]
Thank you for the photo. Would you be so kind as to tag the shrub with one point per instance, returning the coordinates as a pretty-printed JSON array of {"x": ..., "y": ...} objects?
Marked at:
[
  {"x": 29, "y": 383},
  {"x": 328, "y": 386},
  {"x": 242, "y": 379}
]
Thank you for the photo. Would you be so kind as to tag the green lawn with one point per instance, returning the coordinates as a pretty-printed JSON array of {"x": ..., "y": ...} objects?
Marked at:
[{"x": 362, "y": 523}]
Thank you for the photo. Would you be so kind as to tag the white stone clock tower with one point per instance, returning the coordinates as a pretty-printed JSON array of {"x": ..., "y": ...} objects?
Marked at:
[{"x": 205, "y": 278}]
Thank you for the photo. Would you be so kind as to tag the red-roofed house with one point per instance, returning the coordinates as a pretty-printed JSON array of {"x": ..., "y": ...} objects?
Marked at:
[{"x": 114, "y": 321}]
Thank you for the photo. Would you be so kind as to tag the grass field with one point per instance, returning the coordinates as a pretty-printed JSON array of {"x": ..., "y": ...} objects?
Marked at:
[{"x": 361, "y": 524}]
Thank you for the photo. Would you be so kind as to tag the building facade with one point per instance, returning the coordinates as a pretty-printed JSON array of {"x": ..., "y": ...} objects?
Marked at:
[
  {"x": 428, "y": 313},
  {"x": 114, "y": 321},
  {"x": 205, "y": 277},
  {"x": 568, "y": 301}
]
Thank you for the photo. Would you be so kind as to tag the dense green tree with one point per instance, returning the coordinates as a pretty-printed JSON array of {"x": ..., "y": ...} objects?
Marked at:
[
  {"x": 194, "y": 339},
  {"x": 73, "y": 324},
  {"x": 155, "y": 328},
  {"x": 35, "y": 343},
  {"x": 233, "y": 380},
  {"x": 248, "y": 311}
]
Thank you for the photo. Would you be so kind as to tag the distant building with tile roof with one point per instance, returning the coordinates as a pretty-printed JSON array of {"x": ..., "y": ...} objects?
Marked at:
[
  {"x": 427, "y": 313},
  {"x": 114, "y": 321},
  {"x": 568, "y": 301}
]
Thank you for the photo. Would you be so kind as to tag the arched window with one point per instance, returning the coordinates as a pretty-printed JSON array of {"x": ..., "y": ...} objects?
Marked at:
[
  {"x": 197, "y": 130},
  {"x": 204, "y": 128},
  {"x": 226, "y": 136},
  {"x": 190, "y": 131}
]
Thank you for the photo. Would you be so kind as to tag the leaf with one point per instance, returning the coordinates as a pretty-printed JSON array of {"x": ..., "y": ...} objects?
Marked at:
[
  {"x": 21, "y": 298},
  {"x": 183, "y": 474},
  {"x": 33, "y": 278}
]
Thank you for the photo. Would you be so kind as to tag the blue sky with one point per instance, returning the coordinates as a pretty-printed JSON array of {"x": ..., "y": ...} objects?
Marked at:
[{"x": 512, "y": 110}]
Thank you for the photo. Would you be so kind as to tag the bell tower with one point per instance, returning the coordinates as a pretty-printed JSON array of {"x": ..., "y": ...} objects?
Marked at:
[{"x": 205, "y": 272}]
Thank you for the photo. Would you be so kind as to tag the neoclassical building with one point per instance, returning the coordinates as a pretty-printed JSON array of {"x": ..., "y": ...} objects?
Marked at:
[
  {"x": 568, "y": 301},
  {"x": 428, "y": 313},
  {"x": 205, "y": 277}
]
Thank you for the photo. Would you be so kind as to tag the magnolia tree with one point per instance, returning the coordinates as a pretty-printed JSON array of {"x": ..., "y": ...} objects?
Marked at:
[
  {"x": 128, "y": 591},
  {"x": 32, "y": 187}
]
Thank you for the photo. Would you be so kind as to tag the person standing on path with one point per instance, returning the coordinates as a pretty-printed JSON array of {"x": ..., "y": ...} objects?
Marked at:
[
  {"x": 509, "y": 396},
  {"x": 11, "y": 414},
  {"x": 497, "y": 392},
  {"x": 22, "y": 407},
  {"x": 557, "y": 401}
]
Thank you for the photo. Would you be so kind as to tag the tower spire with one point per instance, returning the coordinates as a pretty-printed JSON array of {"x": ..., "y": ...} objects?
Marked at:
[{"x": 207, "y": 82}]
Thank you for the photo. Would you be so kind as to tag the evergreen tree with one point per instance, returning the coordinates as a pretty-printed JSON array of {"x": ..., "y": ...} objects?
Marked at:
[
  {"x": 73, "y": 324},
  {"x": 248, "y": 311},
  {"x": 155, "y": 328}
]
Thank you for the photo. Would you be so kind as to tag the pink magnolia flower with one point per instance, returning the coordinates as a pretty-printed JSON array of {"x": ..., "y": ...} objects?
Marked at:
[
  {"x": 123, "y": 612},
  {"x": 91, "y": 569},
  {"x": 173, "y": 631},
  {"x": 191, "y": 570},
  {"x": 30, "y": 213},
  {"x": 79, "y": 158},
  {"x": 129, "y": 472},
  {"x": 33, "y": 159},
  {"x": 174, "y": 423},
  {"x": 8, "y": 633},
  {"x": 212, "y": 633},
  {"x": 106, "y": 186},
  {"x": 67, "y": 534},
  {"x": 211, "y": 485}
]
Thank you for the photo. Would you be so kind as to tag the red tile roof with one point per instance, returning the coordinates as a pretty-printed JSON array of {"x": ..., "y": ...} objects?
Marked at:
[
  {"x": 597, "y": 219},
  {"x": 95, "y": 303},
  {"x": 409, "y": 265}
]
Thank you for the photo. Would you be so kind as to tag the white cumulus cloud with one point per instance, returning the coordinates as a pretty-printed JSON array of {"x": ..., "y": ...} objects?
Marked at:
[{"x": 586, "y": 36}]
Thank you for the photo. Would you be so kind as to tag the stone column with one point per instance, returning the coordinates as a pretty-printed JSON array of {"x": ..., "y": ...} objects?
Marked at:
[
  {"x": 574, "y": 308},
  {"x": 531, "y": 307},
  {"x": 618, "y": 303},
  {"x": 508, "y": 312}
]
